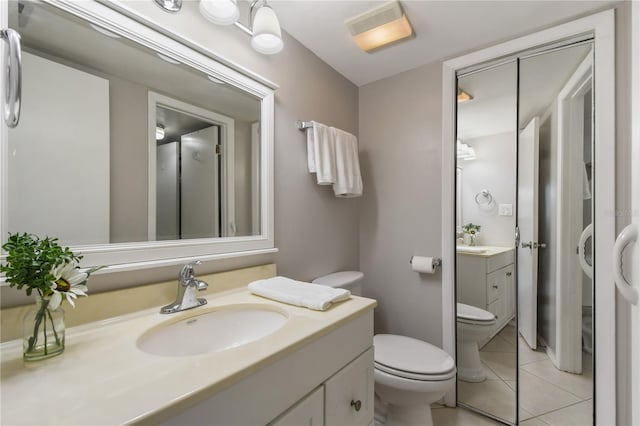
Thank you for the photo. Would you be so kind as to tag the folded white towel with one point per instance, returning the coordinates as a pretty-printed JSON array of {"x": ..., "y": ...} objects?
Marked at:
[
  {"x": 321, "y": 153},
  {"x": 312, "y": 296},
  {"x": 348, "y": 182}
]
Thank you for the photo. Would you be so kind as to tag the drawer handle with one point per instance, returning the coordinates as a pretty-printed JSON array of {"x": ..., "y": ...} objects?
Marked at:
[
  {"x": 356, "y": 404},
  {"x": 494, "y": 286},
  {"x": 508, "y": 274}
]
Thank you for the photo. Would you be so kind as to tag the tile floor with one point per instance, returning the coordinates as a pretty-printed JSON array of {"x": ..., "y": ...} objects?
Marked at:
[{"x": 548, "y": 396}]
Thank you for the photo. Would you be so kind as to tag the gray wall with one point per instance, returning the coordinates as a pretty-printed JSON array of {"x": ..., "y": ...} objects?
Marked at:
[
  {"x": 493, "y": 169},
  {"x": 129, "y": 174},
  {"x": 400, "y": 147}
]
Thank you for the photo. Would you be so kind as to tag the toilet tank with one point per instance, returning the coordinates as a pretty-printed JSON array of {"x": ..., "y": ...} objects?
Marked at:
[{"x": 350, "y": 280}]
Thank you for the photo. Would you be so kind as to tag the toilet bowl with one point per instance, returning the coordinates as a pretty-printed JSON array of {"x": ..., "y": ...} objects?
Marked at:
[
  {"x": 409, "y": 374},
  {"x": 474, "y": 325}
]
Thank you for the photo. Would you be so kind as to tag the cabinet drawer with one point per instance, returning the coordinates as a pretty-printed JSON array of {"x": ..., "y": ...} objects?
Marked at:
[
  {"x": 349, "y": 394},
  {"x": 499, "y": 260},
  {"x": 309, "y": 411}
]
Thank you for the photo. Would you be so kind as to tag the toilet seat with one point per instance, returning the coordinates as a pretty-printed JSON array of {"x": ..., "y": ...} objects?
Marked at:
[
  {"x": 414, "y": 359},
  {"x": 472, "y": 315}
]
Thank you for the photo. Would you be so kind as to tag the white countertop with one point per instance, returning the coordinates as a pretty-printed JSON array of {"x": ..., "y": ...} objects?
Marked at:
[
  {"x": 103, "y": 378},
  {"x": 483, "y": 251}
]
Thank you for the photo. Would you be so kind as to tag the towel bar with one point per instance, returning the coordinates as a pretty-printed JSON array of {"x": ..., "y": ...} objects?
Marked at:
[{"x": 302, "y": 125}]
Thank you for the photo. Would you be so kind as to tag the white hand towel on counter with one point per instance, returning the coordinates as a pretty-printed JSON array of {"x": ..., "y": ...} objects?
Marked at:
[
  {"x": 312, "y": 296},
  {"x": 348, "y": 182},
  {"x": 321, "y": 153}
]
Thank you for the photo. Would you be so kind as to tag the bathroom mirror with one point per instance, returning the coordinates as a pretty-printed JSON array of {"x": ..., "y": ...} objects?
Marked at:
[
  {"x": 485, "y": 264},
  {"x": 131, "y": 146},
  {"x": 555, "y": 256},
  {"x": 524, "y": 256}
]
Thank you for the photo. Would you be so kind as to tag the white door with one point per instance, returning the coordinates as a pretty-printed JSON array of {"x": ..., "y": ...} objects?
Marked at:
[
  {"x": 200, "y": 188},
  {"x": 528, "y": 226}
]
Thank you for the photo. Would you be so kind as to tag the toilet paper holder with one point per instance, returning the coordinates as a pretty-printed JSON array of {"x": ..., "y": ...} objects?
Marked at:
[{"x": 436, "y": 262}]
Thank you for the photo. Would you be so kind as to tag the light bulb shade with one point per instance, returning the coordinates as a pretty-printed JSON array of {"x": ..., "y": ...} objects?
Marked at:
[
  {"x": 267, "y": 37},
  {"x": 159, "y": 133},
  {"x": 221, "y": 12}
]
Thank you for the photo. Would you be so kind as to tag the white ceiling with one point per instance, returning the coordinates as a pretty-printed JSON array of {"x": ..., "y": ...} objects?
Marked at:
[{"x": 444, "y": 29}]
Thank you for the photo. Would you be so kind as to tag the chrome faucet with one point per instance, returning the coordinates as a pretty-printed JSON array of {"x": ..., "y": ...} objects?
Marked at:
[{"x": 187, "y": 287}]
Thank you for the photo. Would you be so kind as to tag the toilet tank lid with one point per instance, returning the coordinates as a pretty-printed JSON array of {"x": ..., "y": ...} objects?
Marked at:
[{"x": 339, "y": 279}]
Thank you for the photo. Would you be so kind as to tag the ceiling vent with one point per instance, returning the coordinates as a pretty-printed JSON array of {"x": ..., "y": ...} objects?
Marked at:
[{"x": 380, "y": 27}]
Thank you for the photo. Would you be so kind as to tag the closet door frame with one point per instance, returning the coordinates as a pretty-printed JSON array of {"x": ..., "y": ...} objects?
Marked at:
[{"x": 602, "y": 27}]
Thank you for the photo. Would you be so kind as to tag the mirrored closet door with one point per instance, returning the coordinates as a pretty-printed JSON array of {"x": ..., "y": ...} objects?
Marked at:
[{"x": 524, "y": 209}]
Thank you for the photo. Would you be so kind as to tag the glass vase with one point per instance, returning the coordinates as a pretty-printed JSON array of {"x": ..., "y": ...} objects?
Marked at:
[{"x": 43, "y": 331}]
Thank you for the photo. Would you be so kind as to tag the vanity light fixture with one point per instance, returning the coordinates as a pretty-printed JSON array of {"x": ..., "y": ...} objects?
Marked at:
[
  {"x": 171, "y": 6},
  {"x": 159, "y": 132},
  {"x": 220, "y": 12},
  {"x": 264, "y": 28},
  {"x": 380, "y": 27},
  {"x": 464, "y": 151},
  {"x": 463, "y": 96}
]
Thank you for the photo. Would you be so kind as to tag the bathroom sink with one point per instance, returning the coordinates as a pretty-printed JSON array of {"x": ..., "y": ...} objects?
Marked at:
[
  {"x": 212, "y": 331},
  {"x": 470, "y": 249}
]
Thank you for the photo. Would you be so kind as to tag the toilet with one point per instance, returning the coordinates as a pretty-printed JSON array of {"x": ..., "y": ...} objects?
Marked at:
[
  {"x": 409, "y": 374},
  {"x": 474, "y": 325}
]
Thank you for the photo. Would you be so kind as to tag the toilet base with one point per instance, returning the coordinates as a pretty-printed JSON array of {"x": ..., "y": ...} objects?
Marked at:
[
  {"x": 470, "y": 367},
  {"x": 414, "y": 415}
]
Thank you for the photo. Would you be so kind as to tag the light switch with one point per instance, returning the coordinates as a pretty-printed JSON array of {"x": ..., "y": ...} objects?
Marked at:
[{"x": 505, "y": 209}]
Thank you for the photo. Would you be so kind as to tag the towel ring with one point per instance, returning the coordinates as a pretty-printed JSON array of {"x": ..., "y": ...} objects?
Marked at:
[{"x": 486, "y": 195}]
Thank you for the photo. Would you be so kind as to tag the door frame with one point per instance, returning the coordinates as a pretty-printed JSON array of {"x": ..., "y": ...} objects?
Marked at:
[
  {"x": 631, "y": 360},
  {"x": 570, "y": 102},
  {"x": 602, "y": 27},
  {"x": 227, "y": 173}
]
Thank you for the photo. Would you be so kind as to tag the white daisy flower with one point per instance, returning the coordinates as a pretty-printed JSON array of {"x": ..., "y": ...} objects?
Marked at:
[{"x": 68, "y": 280}]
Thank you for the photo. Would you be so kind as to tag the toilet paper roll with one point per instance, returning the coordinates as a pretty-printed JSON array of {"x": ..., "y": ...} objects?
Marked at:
[{"x": 423, "y": 264}]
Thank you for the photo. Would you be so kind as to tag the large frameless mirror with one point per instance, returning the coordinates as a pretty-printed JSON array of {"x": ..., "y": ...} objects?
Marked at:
[
  {"x": 485, "y": 255},
  {"x": 555, "y": 256},
  {"x": 130, "y": 142},
  {"x": 524, "y": 209}
]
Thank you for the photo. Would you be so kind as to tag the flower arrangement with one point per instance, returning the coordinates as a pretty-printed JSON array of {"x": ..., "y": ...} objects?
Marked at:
[
  {"x": 470, "y": 233},
  {"x": 53, "y": 272},
  {"x": 470, "y": 228}
]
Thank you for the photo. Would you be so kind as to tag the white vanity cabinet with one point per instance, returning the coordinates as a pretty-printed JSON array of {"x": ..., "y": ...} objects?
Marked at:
[
  {"x": 328, "y": 381},
  {"x": 344, "y": 399},
  {"x": 309, "y": 411},
  {"x": 486, "y": 280}
]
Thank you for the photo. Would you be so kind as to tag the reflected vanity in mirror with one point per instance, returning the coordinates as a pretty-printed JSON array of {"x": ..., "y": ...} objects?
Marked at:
[
  {"x": 524, "y": 191},
  {"x": 141, "y": 148}
]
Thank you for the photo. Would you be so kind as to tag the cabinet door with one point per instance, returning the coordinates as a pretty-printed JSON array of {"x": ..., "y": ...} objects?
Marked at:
[
  {"x": 307, "y": 412},
  {"x": 349, "y": 393}
]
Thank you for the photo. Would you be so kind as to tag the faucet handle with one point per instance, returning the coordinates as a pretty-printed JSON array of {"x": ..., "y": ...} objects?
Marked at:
[{"x": 187, "y": 273}]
